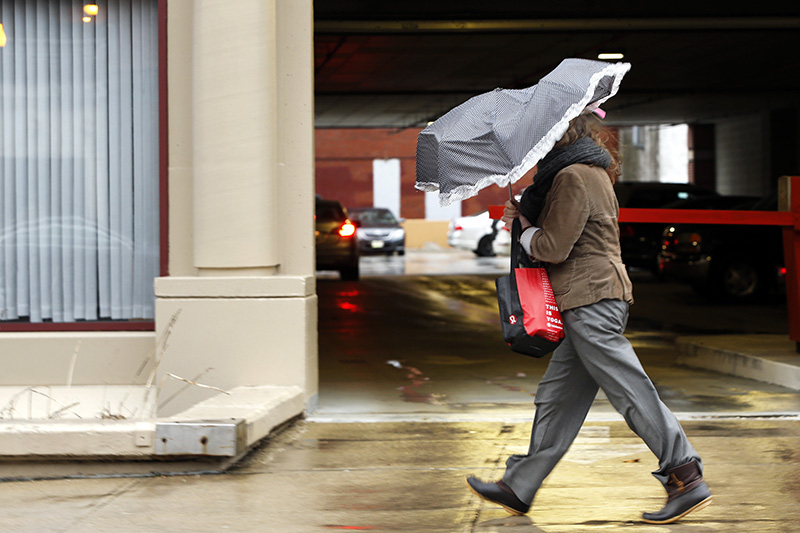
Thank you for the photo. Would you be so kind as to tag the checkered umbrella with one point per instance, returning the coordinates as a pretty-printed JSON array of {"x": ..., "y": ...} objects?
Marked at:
[{"x": 496, "y": 137}]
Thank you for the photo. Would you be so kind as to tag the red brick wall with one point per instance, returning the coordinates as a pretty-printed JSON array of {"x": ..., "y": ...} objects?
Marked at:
[
  {"x": 344, "y": 169},
  {"x": 344, "y": 165}
]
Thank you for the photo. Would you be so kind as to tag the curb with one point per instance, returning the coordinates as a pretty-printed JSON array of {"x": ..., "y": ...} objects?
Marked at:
[{"x": 767, "y": 358}]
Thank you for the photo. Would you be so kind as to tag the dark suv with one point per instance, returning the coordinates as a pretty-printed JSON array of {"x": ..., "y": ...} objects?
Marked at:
[
  {"x": 337, "y": 247},
  {"x": 641, "y": 242},
  {"x": 733, "y": 262}
]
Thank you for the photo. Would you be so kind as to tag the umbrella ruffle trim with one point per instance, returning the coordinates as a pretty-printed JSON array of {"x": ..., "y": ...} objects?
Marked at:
[
  {"x": 545, "y": 144},
  {"x": 462, "y": 192}
]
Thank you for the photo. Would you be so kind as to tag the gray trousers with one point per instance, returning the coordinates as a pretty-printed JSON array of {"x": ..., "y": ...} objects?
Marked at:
[{"x": 595, "y": 354}]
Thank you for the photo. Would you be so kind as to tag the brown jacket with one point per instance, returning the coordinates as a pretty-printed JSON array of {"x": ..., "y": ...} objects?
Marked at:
[{"x": 579, "y": 238}]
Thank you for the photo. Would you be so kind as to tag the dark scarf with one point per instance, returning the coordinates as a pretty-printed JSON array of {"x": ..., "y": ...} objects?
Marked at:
[{"x": 583, "y": 150}]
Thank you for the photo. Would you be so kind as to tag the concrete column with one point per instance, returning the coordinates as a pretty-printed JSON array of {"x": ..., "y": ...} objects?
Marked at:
[
  {"x": 740, "y": 145},
  {"x": 296, "y": 147},
  {"x": 180, "y": 138},
  {"x": 235, "y": 135},
  {"x": 239, "y": 307}
]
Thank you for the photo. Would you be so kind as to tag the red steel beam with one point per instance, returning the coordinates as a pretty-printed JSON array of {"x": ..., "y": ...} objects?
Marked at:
[
  {"x": 791, "y": 256},
  {"x": 704, "y": 216},
  {"x": 791, "y": 252}
]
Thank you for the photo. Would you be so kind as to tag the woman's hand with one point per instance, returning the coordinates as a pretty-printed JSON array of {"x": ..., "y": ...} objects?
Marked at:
[{"x": 511, "y": 212}]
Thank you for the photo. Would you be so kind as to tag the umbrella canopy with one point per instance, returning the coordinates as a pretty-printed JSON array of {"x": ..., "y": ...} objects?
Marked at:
[{"x": 496, "y": 137}]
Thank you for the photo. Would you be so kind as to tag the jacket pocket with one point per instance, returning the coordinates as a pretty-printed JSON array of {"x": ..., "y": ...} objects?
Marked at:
[
  {"x": 623, "y": 282},
  {"x": 561, "y": 276}
]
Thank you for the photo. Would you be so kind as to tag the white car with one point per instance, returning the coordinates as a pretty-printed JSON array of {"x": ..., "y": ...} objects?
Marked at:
[{"x": 481, "y": 234}]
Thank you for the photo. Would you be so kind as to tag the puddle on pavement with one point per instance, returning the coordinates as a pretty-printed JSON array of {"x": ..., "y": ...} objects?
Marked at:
[{"x": 410, "y": 393}]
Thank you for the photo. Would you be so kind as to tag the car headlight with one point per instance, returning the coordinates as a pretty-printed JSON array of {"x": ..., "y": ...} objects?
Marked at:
[{"x": 397, "y": 234}]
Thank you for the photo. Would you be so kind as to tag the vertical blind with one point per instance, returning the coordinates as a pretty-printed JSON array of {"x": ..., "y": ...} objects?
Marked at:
[{"x": 79, "y": 236}]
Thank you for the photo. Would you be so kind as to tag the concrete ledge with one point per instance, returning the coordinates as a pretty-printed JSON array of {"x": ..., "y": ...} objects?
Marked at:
[
  {"x": 26, "y": 445},
  {"x": 262, "y": 408},
  {"x": 67, "y": 439},
  {"x": 767, "y": 358}
]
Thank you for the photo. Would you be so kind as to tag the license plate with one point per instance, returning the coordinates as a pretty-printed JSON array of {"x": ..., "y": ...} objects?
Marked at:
[{"x": 377, "y": 244}]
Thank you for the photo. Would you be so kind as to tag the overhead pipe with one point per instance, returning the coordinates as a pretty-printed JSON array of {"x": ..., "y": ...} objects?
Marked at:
[{"x": 528, "y": 25}]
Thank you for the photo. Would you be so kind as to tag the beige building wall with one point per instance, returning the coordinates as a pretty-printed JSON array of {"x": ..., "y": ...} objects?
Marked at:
[{"x": 239, "y": 306}]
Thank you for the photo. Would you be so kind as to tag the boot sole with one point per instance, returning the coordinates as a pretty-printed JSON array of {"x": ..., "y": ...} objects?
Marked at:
[
  {"x": 481, "y": 496},
  {"x": 702, "y": 505}
]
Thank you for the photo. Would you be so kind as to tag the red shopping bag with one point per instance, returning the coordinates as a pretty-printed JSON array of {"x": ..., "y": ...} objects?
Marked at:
[{"x": 529, "y": 315}]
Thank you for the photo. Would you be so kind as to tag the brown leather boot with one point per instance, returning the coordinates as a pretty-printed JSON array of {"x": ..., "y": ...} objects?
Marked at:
[{"x": 686, "y": 492}]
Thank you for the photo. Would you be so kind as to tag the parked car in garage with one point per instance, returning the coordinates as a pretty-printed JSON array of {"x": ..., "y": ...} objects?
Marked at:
[
  {"x": 379, "y": 232},
  {"x": 640, "y": 242},
  {"x": 336, "y": 242},
  {"x": 480, "y": 234},
  {"x": 734, "y": 262}
]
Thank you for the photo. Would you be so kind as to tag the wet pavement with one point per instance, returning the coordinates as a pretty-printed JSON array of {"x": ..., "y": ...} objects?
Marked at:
[
  {"x": 417, "y": 391},
  {"x": 409, "y": 476},
  {"x": 396, "y": 348}
]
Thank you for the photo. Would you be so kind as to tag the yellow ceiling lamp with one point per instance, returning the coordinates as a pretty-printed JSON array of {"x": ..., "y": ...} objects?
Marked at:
[
  {"x": 91, "y": 10},
  {"x": 3, "y": 38}
]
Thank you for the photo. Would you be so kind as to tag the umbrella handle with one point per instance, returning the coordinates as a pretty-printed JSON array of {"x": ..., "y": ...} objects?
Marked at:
[
  {"x": 496, "y": 211},
  {"x": 511, "y": 196}
]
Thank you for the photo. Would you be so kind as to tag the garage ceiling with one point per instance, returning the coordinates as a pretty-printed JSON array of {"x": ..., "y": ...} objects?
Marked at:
[{"x": 401, "y": 64}]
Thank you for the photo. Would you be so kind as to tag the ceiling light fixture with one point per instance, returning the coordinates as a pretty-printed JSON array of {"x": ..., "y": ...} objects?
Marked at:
[
  {"x": 610, "y": 55},
  {"x": 2, "y": 36}
]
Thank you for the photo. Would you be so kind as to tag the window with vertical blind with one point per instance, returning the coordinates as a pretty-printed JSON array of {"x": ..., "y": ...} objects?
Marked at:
[{"x": 79, "y": 161}]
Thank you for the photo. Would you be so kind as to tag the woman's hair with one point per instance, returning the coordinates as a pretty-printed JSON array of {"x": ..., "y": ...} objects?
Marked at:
[{"x": 588, "y": 125}]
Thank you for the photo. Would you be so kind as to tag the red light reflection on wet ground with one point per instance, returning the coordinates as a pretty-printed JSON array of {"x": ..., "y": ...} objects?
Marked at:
[
  {"x": 347, "y": 306},
  {"x": 344, "y": 300},
  {"x": 349, "y": 294}
]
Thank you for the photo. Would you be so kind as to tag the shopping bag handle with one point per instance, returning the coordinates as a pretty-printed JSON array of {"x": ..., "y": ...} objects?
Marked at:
[{"x": 519, "y": 257}]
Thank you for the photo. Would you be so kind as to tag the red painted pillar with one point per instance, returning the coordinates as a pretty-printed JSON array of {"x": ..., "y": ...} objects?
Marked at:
[{"x": 790, "y": 201}]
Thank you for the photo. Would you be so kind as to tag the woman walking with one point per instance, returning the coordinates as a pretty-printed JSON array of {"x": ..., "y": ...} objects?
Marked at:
[{"x": 575, "y": 212}]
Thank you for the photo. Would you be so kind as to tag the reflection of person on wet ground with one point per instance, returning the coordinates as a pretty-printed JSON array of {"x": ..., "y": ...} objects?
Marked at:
[{"x": 573, "y": 204}]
